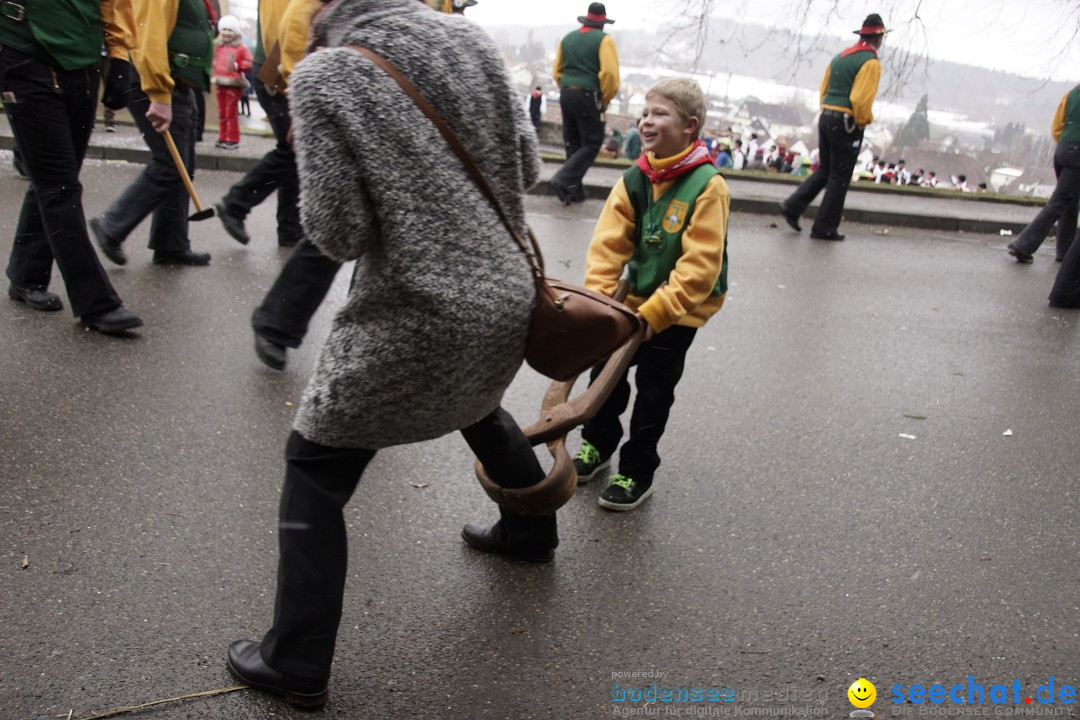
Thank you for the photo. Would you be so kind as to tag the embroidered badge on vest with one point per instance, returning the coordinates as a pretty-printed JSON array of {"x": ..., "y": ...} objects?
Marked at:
[{"x": 675, "y": 216}]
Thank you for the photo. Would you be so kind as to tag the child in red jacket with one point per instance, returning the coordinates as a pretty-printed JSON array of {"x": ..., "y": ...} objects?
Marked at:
[{"x": 231, "y": 61}]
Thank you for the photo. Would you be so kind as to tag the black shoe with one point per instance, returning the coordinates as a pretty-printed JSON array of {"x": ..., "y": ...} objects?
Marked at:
[
  {"x": 588, "y": 463},
  {"x": 1021, "y": 256},
  {"x": 791, "y": 218},
  {"x": 624, "y": 493},
  {"x": 826, "y": 236},
  {"x": 562, "y": 193},
  {"x": 16, "y": 162},
  {"x": 271, "y": 353},
  {"x": 36, "y": 299},
  {"x": 111, "y": 322},
  {"x": 184, "y": 257},
  {"x": 1062, "y": 306},
  {"x": 232, "y": 224},
  {"x": 110, "y": 247},
  {"x": 246, "y": 665},
  {"x": 491, "y": 539}
]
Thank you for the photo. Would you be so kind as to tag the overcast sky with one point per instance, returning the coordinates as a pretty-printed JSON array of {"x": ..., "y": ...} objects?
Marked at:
[{"x": 1026, "y": 37}]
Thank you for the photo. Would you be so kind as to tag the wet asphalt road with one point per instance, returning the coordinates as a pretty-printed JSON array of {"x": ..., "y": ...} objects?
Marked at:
[{"x": 798, "y": 538}]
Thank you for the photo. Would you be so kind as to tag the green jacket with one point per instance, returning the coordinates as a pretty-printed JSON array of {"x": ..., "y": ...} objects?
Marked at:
[
  {"x": 62, "y": 33},
  {"x": 581, "y": 60},
  {"x": 842, "y": 72},
  {"x": 191, "y": 45},
  {"x": 1071, "y": 132},
  {"x": 658, "y": 248}
]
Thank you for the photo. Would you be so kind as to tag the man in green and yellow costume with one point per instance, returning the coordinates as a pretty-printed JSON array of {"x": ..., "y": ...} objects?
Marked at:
[
  {"x": 174, "y": 51},
  {"x": 847, "y": 100},
  {"x": 49, "y": 79}
]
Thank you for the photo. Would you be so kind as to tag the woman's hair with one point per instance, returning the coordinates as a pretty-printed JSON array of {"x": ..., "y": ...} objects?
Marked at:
[{"x": 687, "y": 97}]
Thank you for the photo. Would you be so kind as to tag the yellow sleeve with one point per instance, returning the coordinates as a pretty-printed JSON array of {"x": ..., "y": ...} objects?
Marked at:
[
  {"x": 694, "y": 277},
  {"x": 295, "y": 30},
  {"x": 556, "y": 70},
  {"x": 609, "y": 70},
  {"x": 155, "y": 20},
  {"x": 270, "y": 16},
  {"x": 612, "y": 243},
  {"x": 863, "y": 91},
  {"x": 825, "y": 83},
  {"x": 1058, "y": 126},
  {"x": 119, "y": 19}
]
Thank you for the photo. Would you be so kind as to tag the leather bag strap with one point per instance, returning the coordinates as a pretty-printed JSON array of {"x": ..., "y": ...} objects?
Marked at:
[{"x": 535, "y": 258}]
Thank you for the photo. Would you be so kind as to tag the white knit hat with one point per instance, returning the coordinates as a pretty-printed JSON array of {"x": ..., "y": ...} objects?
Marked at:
[{"x": 229, "y": 22}]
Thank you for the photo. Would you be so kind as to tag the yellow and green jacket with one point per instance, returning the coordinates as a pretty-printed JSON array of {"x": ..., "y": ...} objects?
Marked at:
[
  {"x": 270, "y": 14},
  {"x": 851, "y": 82},
  {"x": 68, "y": 34},
  {"x": 690, "y": 296},
  {"x": 294, "y": 30},
  {"x": 1066, "y": 125},
  {"x": 587, "y": 58},
  {"x": 167, "y": 30}
]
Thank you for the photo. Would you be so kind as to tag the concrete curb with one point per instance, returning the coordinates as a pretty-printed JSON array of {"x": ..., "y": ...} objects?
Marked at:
[
  {"x": 742, "y": 203},
  {"x": 769, "y": 206}
]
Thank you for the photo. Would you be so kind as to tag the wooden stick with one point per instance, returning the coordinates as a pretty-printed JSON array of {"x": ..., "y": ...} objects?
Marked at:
[
  {"x": 208, "y": 693},
  {"x": 183, "y": 170}
]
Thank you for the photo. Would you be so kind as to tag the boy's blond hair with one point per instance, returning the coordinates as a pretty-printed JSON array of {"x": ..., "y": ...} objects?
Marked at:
[{"x": 687, "y": 97}]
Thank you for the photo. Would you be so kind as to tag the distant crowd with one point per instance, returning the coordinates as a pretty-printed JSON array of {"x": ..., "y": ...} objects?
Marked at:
[{"x": 729, "y": 151}]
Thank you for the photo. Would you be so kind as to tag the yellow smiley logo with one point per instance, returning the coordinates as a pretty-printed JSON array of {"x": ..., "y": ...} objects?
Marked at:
[{"x": 862, "y": 693}]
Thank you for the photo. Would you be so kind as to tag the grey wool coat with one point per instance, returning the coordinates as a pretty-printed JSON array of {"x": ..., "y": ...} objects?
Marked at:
[{"x": 434, "y": 327}]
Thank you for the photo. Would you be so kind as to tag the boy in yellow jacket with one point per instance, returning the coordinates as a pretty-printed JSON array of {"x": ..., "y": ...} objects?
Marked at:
[{"x": 666, "y": 222}]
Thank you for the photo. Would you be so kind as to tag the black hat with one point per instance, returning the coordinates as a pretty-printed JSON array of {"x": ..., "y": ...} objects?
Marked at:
[
  {"x": 597, "y": 16},
  {"x": 872, "y": 25}
]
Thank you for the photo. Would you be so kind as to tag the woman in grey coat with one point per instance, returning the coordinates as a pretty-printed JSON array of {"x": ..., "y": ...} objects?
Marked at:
[{"x": 434, "y": 326}]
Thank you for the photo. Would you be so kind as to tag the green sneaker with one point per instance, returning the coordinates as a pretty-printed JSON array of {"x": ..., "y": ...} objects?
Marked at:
[
  {"x": 588, "y": 462},
  {"x": 623, "y": 493}
]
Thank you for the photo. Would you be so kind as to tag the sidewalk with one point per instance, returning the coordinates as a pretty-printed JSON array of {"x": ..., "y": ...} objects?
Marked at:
[{"x": 750, "y": 193}]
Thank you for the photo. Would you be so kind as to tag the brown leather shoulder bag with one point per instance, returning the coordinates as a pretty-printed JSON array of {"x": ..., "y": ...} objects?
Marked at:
[{"x": 572, "y": 328}]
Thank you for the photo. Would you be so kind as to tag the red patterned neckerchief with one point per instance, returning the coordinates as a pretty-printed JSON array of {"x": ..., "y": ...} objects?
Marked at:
[
  {"x": 859, "y": 47},
  {"x": 698, "y": 155}
]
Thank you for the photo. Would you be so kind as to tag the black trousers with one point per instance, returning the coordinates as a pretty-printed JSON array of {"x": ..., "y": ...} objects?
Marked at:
[
  {"x": 275, "y": 171},
  {"x": 52, "y": 116},
  {"x": 296, "y": 294},
  {"x": 1061, "y": 208},
  {"x": 1066, "y": 290},
  {"x": 158, "y": 191},
  {"x": 583, "y": 136},
  {"x": 839, "y": 150},
  {"x": 319, "y": 481},
  {"x": 660, "y": 364}
]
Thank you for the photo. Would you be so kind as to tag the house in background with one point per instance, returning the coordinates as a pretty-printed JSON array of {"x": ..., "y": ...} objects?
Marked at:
[{"x": 773, "y": 120}]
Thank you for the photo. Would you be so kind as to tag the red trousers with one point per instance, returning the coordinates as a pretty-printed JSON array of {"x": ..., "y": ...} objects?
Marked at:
[{"x": 228, "y": 124}]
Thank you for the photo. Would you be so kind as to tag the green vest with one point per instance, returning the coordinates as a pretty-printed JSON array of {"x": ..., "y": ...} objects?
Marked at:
[
  {"x": 842, "y": 74},
  {"x": 660, "y": 227},
  {"x": 191, "y": 45},
  {"x": 581, "y": 60},
  {"x": 1071, "y": 132},
  {"x": 64, "y": 33}
]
